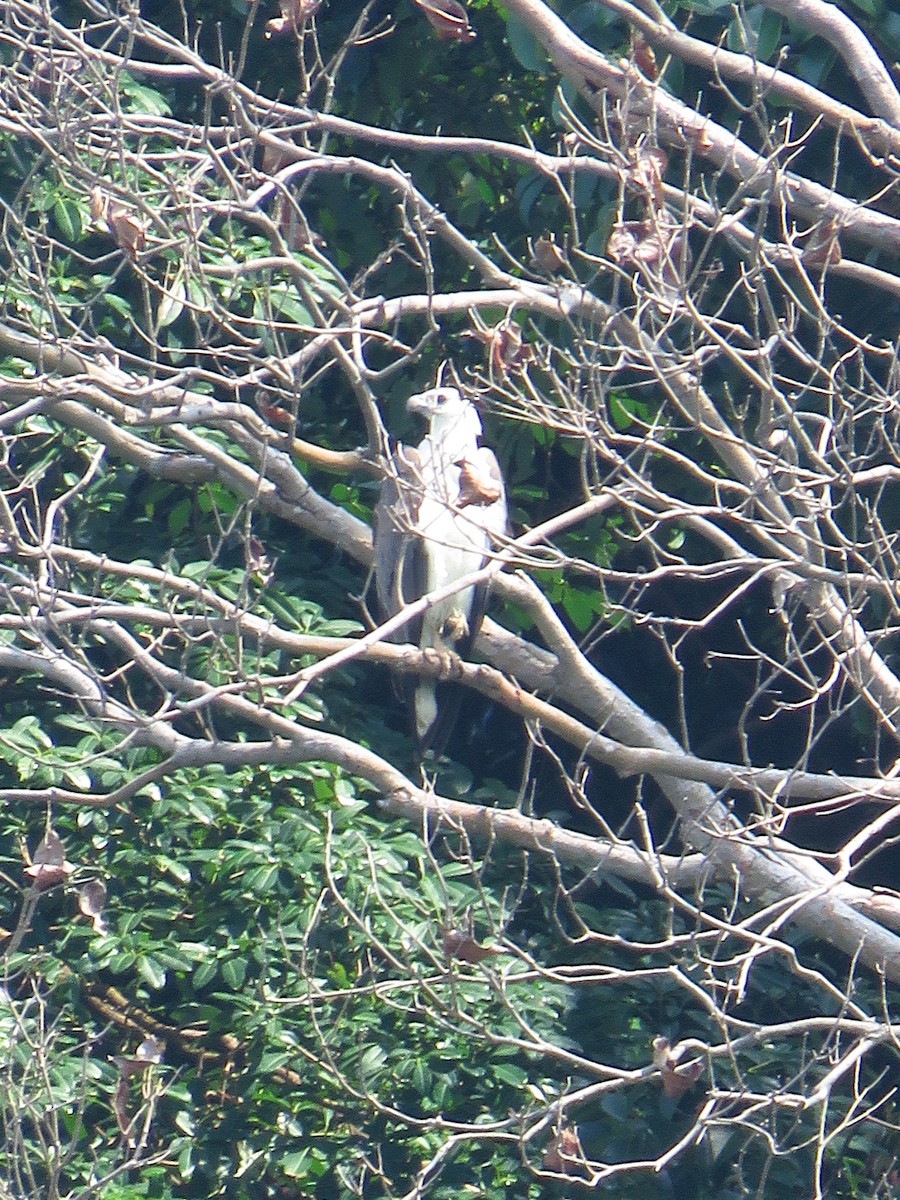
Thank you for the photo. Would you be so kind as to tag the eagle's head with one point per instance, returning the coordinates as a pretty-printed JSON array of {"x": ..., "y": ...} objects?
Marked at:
[{"x": 446, "y": 409}]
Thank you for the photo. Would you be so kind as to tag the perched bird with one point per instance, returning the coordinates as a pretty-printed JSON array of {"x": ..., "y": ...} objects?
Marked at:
[{"x": 442, "y": 504}]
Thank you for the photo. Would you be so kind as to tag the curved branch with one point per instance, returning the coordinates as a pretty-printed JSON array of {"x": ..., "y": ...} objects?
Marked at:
[{"x": 683, "y": 127}]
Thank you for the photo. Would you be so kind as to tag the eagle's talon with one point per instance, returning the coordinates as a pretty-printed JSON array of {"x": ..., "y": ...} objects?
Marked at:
[
  {"x": 455, "y": 628},
  {"x": 449, "y": 665}
]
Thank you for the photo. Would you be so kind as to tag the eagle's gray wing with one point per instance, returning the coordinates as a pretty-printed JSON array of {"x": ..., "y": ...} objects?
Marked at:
[{"x": 398, "y": 551}]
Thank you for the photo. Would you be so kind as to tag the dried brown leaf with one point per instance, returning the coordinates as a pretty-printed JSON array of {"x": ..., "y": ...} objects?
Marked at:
[
  {"x": 647, "y": 172},
  {"x": 656, "y": 249},
  {"x": 546, "y": 255},
  {"x": 127, "y": 228},
  {"x": 99, "y": 205},
  {"x": 259, "y": 561},
  {"x": 461, "y": 945},
  {"x": 506, "y": 347},
  {"x": 294, "y": 15},
  {"x": 644, "y": 56},
  {"x": 632, "y": 243},
  {"x": 48, "y": 865},
  {"x": 477, "y": 485},
  {"x": 823, "y": 249},
  {"x": 448, "y": 19},
  {"x": 91, "y": 900},
  {"x": 565, "y": 1154},
  {"x": 676, "y": 1079}
]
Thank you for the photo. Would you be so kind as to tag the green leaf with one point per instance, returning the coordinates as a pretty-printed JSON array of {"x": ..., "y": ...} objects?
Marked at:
[
  {"x": 582, "y": 606},
  {"x": 179, "y": 517},
  {"x": 67, "y": 216},
  {"x": 234, "y": 972},
  {"x": 143, "y": 99},
  {"x": 526, "y": 49},
  {"x": 171, "y": 304},
  {"x": 151, "y": 971},
  {"x": 371, "y": 1062},
  {"x": 815, "y": 64},
  {"x": 205, "y": 973},
  {"x": 173, "y": 867},
  {"x": 282, "y": 301},
  {"x": 757, "y": 32},
  {"x": 510, "y": 1074},
  {"x": 201, "y": 811},
  {"x": 77, "y": 777},
  {"x": 528, "y": 190},
  {"x": 339, "y": 629},
  {"x": 705, "y": 7},
  {"x": 118, "y": 304},
  {"x": 293, "y": 1165},
  {"x": 770, "y": 36}
]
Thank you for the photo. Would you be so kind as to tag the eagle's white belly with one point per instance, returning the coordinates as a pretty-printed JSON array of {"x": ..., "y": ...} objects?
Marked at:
[{"x": 455, "y": 547}]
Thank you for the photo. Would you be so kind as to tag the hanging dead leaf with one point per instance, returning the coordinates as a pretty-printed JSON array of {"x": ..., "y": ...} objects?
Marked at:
[
  {"x": 677, "y": 1077},
  {"x": 48, "y": 866},
  {"x": 634, "y": 243},
  {"x": 148, "y": 1054},
  {"x": 823, "y": 248},
  {"x": 505, "y": 346},
  {"x": 127, "y": 228},
  {"x": 646, "y": 173},
  {"x": 294, "y": 15},
  {"x": 565, "y": 1154},
  {"x": 459, "y": 944},
  {"x": 508, "y": 349},
  {"x": 477, "y": 483},
  {"x": 91, "y": 901},
  {"x": 644, "y": 57},
  {"x": 259, "y": 561},
  {"x": 546, "y": 255},
  {"x": 448, "y": 19},
  {"x": 99, "y": 205},
  {"x": 655, "y": 248}
]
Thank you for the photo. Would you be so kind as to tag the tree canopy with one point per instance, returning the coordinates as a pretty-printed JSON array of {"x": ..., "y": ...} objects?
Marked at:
[{"x": 635, "y": 930}]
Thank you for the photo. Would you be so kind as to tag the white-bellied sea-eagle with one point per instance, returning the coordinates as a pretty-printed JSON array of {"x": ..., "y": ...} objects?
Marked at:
[{"x": 442, "y": 506}]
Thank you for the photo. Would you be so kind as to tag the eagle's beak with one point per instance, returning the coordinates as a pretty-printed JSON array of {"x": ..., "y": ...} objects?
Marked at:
[{"x": 422, "y": 403}]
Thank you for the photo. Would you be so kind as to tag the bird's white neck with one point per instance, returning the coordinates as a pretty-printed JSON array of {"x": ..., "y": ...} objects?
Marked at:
[{"x": 453, "y": 436}]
